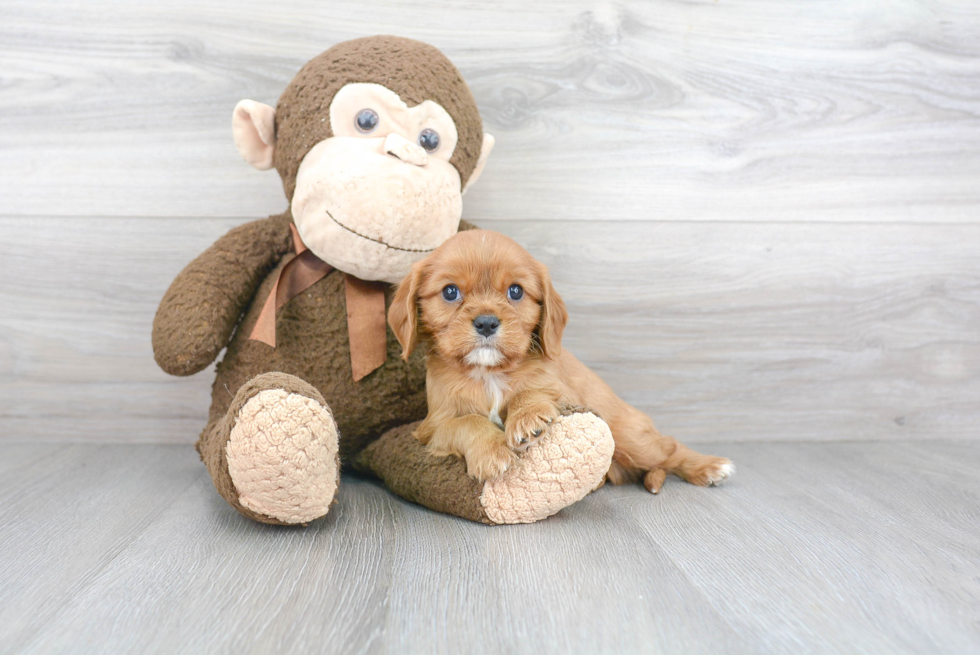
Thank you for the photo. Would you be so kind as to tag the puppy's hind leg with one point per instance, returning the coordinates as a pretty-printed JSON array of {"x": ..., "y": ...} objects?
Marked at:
[
  {"x": 641, "y": 449},
  {"x": 702, "y": 470}
]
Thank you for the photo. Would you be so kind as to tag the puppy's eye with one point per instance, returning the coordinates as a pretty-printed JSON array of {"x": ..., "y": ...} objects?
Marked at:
[
  {"x": 451, "y": 293},
  {"x": 367, "y": 120},
  {"x": 515, "y": 292}
]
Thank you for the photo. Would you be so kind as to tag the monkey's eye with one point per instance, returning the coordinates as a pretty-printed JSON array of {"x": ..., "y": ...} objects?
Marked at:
[
  {"x": 367, "y": 120},
  {"x": 451, "y": 293},
  {"x": 515, "y": 292},
  {"x": 429, "y": 139}
]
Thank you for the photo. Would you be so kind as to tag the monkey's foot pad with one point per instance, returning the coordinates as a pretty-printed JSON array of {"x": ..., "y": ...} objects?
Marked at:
[
  {"x": 567, "y": 463},
  {"x": 282, "y": 456}
]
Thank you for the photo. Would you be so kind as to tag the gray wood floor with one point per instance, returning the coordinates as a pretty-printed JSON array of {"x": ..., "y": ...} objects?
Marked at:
[{"x": 812, "y": 548}]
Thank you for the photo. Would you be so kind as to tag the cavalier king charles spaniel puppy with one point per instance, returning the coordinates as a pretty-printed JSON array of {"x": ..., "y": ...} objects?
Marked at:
[{"x": 497, "y": 374}]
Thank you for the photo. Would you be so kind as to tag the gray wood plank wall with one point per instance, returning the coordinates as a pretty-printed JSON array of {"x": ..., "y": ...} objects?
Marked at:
[{"x": 765, "y": 216}]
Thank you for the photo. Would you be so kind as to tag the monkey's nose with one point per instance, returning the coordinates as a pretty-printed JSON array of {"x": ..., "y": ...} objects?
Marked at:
[
  {"x": 408, "y": 152},
  {"x": 486, "y": 324}
]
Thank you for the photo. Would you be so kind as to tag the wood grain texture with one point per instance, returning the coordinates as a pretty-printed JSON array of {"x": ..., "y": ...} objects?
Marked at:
[
  {"x": 787, "y": 252},
  {"x": 68, "y": 512},
  {"x": 719, "y": 331},
  {"x": 633, "y": 110},
  {"x": 810, "y": 548}
]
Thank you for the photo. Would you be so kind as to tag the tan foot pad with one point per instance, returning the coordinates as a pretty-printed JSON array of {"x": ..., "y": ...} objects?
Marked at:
[
  {"x": 562, "y": 468},
  {"x": 282, "y": 456}
]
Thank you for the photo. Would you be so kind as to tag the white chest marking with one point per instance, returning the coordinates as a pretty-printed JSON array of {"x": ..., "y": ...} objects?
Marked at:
[{"x": 496, "y": 385}]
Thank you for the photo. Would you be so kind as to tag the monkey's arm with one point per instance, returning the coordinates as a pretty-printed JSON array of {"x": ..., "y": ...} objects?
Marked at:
[{"x": 205, "y": 301}]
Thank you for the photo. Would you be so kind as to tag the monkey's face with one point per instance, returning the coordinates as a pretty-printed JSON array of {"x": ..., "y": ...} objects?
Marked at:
[
  {"x": 374, "y": 184},
  {"x": 380, "y": 194}
]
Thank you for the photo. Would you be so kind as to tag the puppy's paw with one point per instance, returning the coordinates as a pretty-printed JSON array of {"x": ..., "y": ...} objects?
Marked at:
[
  {"x": 527, "y": 425},
  {"x": 489, "y": 461},
  {"x": 654, "y": 479},
  {"x": 711, "y": 471}
]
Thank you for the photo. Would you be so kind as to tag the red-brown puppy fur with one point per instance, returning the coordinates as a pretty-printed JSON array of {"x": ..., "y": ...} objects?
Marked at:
[{"x": 519, "y": 373}]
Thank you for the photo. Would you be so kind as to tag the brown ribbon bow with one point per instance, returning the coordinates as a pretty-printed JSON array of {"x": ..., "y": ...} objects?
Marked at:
[{"x": 366, "y": 327}]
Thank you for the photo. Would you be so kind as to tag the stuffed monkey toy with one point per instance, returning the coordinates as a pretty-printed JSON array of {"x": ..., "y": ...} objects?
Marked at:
[{"x": 375, "y": 141}]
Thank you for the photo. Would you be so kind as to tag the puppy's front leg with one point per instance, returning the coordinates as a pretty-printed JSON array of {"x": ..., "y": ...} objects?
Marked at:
[
  {"x": 529, "y": 415},
  {"x": 475, "y": 439}
]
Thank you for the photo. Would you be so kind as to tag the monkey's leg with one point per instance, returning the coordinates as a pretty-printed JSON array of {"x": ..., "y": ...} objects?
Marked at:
[
  {"x": 274, "y": 455},
  {"x": 559, "y": 469}
]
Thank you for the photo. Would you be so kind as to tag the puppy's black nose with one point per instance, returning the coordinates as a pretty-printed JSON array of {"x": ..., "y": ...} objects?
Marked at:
[{"x": 486, "y": 324}]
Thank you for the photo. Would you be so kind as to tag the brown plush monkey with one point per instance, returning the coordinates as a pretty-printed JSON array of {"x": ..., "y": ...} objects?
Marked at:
[{"x": 375, "y": 140}]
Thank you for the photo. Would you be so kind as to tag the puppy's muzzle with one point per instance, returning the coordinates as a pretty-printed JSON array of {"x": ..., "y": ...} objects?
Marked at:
[{"x": 486, "y": 324}]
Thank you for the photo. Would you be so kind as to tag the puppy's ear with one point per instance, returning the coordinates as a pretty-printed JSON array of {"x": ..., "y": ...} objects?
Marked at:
[
  {"x": 554, "y": 316},
  {"x": 403, "y": 315}
]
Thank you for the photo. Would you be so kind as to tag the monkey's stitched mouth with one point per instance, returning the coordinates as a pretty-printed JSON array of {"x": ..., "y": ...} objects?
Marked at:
[{"x": 378, "y": 241}]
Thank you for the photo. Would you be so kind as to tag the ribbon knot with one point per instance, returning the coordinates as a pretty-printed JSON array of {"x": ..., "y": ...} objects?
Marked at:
[{"x": 366, "y": 320}]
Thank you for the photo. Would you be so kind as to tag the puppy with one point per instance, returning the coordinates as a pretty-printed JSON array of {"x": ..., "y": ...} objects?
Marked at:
[{"x": 497, "y": 373}]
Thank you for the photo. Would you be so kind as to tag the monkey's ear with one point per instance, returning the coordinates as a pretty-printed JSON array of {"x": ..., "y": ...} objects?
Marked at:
[
  {"x": 554, "y": 316},
  {"x": 403, "y": 315},
  {"x": 254, "y": 128},
  {"x": 481, "y": 161}
]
